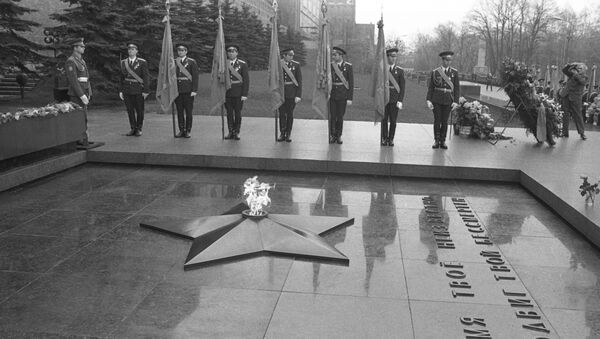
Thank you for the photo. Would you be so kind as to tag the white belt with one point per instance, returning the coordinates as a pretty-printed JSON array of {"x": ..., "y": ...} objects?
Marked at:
[
  {"x": 445, "y": 90},
  {"x": 289, "y": 83},
  {"x": 82, "y": 79},
  {"x": 236, "y": 82},
  {"x": 131, "y": 80},
  {"x": 183, "y": 78},
  {"x": 338, "y": 83}
]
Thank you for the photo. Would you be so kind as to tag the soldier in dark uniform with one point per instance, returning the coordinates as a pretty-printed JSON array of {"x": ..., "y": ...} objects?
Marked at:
[
  {"x": 134, "y": 88},
  {"x": 80, "y": 90},
  {"x": 187, "y": 85},
  {"x": 342, "y": 92},
  {"x": 292, "y": 78},
  {"x": 576, "y": 73},
  {"x": 238, "y": 93},
  {"x": 443, "y": 92},
  {"x": 396, "y": 87}
]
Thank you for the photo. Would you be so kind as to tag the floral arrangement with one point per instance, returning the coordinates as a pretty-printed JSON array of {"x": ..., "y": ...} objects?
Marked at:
[
  {"x": 476, "y": 115},
  {"x": 257, "y": 195},
  {"x": 49, "y": 110},
  {"x": 593, "y": 111},
  {"x": 518, "y": 85},
  {"x": 587, "y": 190}
]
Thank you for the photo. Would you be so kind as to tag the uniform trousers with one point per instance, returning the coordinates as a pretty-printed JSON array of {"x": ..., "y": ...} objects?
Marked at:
[
  {"x": 234, "y": 105},
  {"x": 135, "y": 110},
  {"x": 286, "y": 115},
  {"x": 337, "y": 109},
  {"x": 391, "y": 115},
  {"x": 184, "y": 103},
  {"x": 77, "y": 100},
  {"x": 441, "y": 113},
  {"x": 572, "y": 108}
]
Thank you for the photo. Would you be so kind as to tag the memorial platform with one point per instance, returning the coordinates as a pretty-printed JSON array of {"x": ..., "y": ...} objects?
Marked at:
[{"x": 552, "y": 174}]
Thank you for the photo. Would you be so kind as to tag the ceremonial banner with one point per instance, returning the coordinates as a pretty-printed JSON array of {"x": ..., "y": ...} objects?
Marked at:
[
  {"x": 275, "y": 71},
  {"x": 381, "y": 76},
  {"x": 220, "y": 74},
  {"x": 320, "y": 102},
  {"x": 166, "y": 89}
]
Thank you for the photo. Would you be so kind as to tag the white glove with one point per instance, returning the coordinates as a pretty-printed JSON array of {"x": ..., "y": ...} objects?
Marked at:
[
  {"x": 121, "y": 95},
  {"x": 145, "y": 95},
  {"x": 349, "y": 102},
  {"x": 244, "y": 98},
  {"x": 399, "y": 104},
  {"x": 429, "y": 104},
  {"x": 84, "y": 99},
  {"x": 297, "y": 100},
  {"x": 454, "y": 105},
  {"x": 193, "y": 94}
]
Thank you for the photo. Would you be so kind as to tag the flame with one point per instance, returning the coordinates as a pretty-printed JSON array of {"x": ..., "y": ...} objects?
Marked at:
[{"x": 257, "y": 195}]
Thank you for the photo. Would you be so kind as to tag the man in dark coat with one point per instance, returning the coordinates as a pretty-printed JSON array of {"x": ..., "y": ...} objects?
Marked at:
[
  {"x": 396, "y": 87},
  {"x": 78, "y": 77},
  {"x": 292, "y": 79},
  {"x": 134, "y": 88},
  {"x": 342, "y": 91},
  {"x": 187, "y": 85},
  {"x": 443, "y": 92},
  {"x": 238, "y": 93}
]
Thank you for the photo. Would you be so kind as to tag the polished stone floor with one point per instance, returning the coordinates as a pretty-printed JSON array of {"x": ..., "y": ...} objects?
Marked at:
[{"x": 74, "y": 262}]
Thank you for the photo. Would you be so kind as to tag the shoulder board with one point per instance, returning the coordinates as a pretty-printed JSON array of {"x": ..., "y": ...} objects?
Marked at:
[
  {"x": 454, "y": 69},
  {"x": 295, "y": 62},
  {"x": 435, "y": 69},
  {"x": 347, "y": 63},
  {"x": 71, "y": 58},
  {"x": 190, "y": 59},
  {"x": 123, "y": 60},
  {"x": 140, "y": 59},
  {"x": 241, "y": 61}
]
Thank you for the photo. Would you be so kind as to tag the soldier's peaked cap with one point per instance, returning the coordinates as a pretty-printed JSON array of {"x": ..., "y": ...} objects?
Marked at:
[
  {"x": 283, "y": 51},
  {"x": 391, "y": 50},
  {"x": 181, "y": 44},
  {"x": 133, "y": 44},
  {"x": 340, "y": 50},
  {"x": 77, "y": 42},
  {"x": 237, "y": 48},
  {"x": 446, "y": 53}
]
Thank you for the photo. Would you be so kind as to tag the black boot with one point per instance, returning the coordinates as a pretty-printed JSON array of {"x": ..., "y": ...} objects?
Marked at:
[
  {"x": 436, "y": 144},
  {"x": 281, "y": 137}
]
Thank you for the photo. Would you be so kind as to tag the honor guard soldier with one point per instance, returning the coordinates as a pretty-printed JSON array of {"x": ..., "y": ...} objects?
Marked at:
[
  {"x": 238, "y": 93},
  {"x": 342, "y": 91},
  {"x": 187, "y": 85},
  {"x": 134, "y": 88},
  {"x": 80, "y": 90},
  {"x": 292, "y": 79},
  {"x": 396, "y": 87},
  {"x": 443, "y": 93}
]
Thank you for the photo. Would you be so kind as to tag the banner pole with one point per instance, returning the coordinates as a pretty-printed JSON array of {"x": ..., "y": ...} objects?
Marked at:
[
  {"x": 222, "y": 123},
  {"x": 173, "y": 119},
  {"x": 276, "y": 119}
]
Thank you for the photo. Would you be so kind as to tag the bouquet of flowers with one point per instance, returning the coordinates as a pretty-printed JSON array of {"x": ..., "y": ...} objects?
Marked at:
[
  {"x": 518, "y": 85},
  {"x": 477, "y": 116},
  {"x": 593, "y": 111},
  {"x": 49, "y": 110},
  {"x": 587, "y": 190}
]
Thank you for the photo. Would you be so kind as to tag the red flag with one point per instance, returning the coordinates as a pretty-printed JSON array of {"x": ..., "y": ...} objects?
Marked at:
[
  {"x": 381, "y": 76},
  {"x": 320, "y": 102},
  {"x": 275, "y": 71},
  {"x": 220, "y": 75},
  {"x": 166, "y": 89}
]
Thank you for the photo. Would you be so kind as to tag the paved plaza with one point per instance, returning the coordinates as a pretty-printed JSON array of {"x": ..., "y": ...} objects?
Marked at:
[{"x": 75, "y": 262}]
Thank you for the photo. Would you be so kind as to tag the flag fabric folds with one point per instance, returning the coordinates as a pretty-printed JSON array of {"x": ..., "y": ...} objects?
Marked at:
[
  {"x": 166, "y": 89},
  {"x": 380, "y": 78},
  {"x": 275, "y": 72},
  {"x": 220, "y": 74},
  {"x": 320, "y": 102}
]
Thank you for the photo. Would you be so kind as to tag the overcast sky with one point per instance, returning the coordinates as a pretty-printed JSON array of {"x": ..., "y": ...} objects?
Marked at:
[{"x": 405, "y": 19}]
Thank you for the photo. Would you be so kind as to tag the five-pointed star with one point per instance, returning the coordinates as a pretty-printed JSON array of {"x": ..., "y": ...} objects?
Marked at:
[{"x": 232, "y": 235}]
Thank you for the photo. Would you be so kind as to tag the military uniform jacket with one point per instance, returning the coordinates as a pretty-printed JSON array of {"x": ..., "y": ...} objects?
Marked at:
[
  {"x": 291, "y": 90},
  {"x": 439, "y": 92},
  {"x": 78, "y": 77},
  {"x": 239, "y": 88},
  {"x": 398, "y": 74},
  {"x": 128, "y": 84},
  {"x": 575, "y": 84},
  {"x": 185, "y": 85},
  {"x": 338, "y": 90}
]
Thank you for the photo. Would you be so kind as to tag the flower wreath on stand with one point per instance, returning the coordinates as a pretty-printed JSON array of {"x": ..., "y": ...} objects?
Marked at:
[
  {"x": 473, "y": 119},
  {"x": 540, "y": 115}
]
